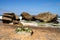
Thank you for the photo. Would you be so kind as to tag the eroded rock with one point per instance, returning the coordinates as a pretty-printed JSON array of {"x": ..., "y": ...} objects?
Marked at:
[
  {"x": 26, "y": 16},
  {"x": 10, "y": 17},
  {"x": 46, "y": 17},
  {"x": 7, "y": 17}
]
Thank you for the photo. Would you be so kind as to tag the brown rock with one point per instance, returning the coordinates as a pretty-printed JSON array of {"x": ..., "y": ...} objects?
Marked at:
[
  {"x": 26, "y": 16},
  {"x": 46, "y": 17},
  {"x": 16, "y": 19},
  {"x": 7, "y": 17},
  {"x": 19, "y": 24},
  {"x": 10, "y": 17}
]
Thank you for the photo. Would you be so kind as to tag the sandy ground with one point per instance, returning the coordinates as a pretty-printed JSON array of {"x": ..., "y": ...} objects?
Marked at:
[{"x": 7, "y": 32}]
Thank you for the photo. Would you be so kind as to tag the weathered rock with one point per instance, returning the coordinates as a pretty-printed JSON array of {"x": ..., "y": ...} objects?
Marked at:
[
  {"x": 19, "y": 24},
  {"x": 10, "y": 17},
  {"x": 46, "y": 17},
  {"x": 26, "y": 16},
  {"x": 16, "y": 19},
  {"x": 33, "y": 18},
  {"x": 7, "y": 17}
]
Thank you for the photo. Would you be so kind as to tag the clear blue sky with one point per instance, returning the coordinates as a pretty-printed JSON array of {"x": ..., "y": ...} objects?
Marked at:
[{"x": 31, "y": 6}]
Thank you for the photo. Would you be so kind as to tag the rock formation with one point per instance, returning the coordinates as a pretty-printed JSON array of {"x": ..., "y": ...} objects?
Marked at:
[
  {"x": 16, "y": 19},
  {"x": 10, "y": 17},
  {"x": 46, "y": 17},
  {"x": 7, "y": 17},
  {"x": 26, "y": 16}
]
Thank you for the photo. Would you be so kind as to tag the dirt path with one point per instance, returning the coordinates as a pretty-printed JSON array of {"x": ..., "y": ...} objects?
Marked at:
[{"x": 8, "y": 33}]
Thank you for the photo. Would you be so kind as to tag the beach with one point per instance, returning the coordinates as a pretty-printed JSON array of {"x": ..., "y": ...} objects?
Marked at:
[
  {"x": 29, "y": 19},
  {"x": 7, "y": 32}
]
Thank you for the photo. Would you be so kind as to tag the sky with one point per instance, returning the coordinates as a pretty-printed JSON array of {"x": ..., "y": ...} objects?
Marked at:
[{"x": 33, "y": 7}]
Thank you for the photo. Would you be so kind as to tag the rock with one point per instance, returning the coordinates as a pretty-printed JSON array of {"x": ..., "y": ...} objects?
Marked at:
[
  {"x": 33, "y": 18},
  {"x": 55, "y": 22},
  {"x": 26, "y": 16},
  {"x": 10, "y": 17},
  {"x": 19, "y": 24},
  {"x": 16, "y": 19},
  {"x": 7, "y": 17},
  {"x": 46, "y": 17}
]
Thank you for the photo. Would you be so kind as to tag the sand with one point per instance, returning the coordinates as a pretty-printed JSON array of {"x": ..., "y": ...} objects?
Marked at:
[{"x": 7, "y": 32}]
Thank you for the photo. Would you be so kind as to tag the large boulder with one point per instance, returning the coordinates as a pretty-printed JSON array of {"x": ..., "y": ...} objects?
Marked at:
[
  {"x": 10, "y": 17},
  {"x": 7, "y": 17},
  {"x": 46, "y": 17},
  {"x": 26, "y": 16}
]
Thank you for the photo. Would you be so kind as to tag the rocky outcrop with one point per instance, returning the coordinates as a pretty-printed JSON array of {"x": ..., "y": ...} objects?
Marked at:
[
  {"x": 46, "y": 17},
  {"x": 10, "y": 17},
  {"x": 7, "y": 17},
  {"x": 26, "y": 16}
]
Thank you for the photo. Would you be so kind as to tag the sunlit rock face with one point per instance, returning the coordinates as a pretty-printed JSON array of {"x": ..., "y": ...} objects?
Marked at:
[
  {"x": 46, "y": 17},
  {"x": 26, "y": 16}
]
